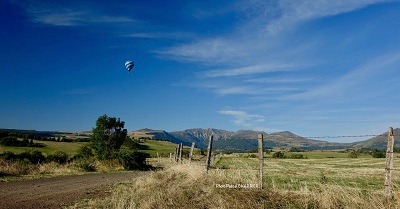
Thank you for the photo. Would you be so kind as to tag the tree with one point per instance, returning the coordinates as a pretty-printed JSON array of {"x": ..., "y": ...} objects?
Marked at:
[
  {"x": 353, "y": 154},
  {"x": 278, "y": 154},
  {"x": 108, "y": 136}
]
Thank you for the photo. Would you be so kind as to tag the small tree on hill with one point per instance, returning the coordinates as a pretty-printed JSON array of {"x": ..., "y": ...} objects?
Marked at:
[{"x": 108, "y": 136}]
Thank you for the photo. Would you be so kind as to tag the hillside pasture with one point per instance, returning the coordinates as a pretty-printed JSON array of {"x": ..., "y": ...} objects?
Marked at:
[
  {"x": 71, "y": 148},
  {"x": 302, "y": 174},
  {"x": 288, "y": 183}
]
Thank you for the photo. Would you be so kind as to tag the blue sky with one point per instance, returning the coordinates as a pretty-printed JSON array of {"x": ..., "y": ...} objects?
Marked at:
[{"x": 312, "y": 67}]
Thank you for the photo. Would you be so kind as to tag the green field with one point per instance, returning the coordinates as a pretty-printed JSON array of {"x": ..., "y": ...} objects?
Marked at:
[
  {"x": 162, "y": 147},
  {"x": 71, "y": 148},
  {"x": 326, "y": 179},
  {"x": 51, "y": 147},
  {"x": 365, "y": 173}
]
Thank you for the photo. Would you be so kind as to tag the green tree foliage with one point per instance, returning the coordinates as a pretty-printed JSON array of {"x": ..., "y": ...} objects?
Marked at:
[
  {"x": 14, "y": 142},
  {"x": 279, "y": 154},
  {"x": 353, "y": 154},
  {"x": 108, "y": 137},
  {"x": 134, "y": 160},
  {"x": 84, "y": 152},
  {"x": 295, "y": 149},
  {"x": 58, "y": 157},
  {"x": 378, "y": 154},
  {"x": 32, "y": 156}
]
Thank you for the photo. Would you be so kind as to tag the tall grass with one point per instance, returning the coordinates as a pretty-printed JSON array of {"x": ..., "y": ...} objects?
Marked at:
[
  {"x": 189, "y": 186},
  {"x": 26, "y": 170}
]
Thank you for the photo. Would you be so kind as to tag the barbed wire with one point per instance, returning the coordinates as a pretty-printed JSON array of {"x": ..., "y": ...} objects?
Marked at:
[{"x": 326, "y": 137}]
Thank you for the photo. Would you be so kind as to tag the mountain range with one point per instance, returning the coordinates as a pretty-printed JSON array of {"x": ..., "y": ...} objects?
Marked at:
[
  {"x": 242, "y": 140},
  {"x": 247, "y": 139}
]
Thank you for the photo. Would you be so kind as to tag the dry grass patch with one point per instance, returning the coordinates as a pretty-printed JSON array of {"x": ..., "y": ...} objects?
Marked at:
[{"x": 189, "y": 186}]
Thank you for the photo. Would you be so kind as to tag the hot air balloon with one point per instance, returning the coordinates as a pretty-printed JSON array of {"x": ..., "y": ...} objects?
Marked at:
[{"x": 129, "y": 65}]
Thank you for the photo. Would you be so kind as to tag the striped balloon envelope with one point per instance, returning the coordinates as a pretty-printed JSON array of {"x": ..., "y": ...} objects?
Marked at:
[{"x": 129, "y": 65}]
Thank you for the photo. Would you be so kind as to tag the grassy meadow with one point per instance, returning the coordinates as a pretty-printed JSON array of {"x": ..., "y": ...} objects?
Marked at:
[
  {"x": 71, "y": 148},
  {"x": 325, "y": 179},
  {"x": 23, "y": 170},
  {"x": 163, "y": 148}
]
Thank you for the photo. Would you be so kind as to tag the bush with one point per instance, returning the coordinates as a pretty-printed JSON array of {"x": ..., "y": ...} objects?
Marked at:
[
  {"x": 353, "y": 154},
  {"x": 279, "y": 155},
  {"x": 297, "y": 156},
  {"x": 295, "y": 149},
  {"x": 9, "y": 156},
  {"x": 13, "y": 141},
  {"x": 86, "y": 165},
  {"x": 378, "y": 154},
  {"x": 9, "y": 141},
  {"x": 134, "y": 160},
  {"x": 84, "y": 152},
  {"x": 58, "y": 157},
  {"x": 33, "y": 156}
]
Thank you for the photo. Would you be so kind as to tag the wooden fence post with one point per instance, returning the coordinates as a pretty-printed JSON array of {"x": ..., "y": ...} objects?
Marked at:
[
  {"x": 177, "y": 153},
  {"x": 209, "y": 149},
  {"x": 261, "y": 156},
  {"x": 180, "y": 152},
  {"x": 389, "y": 165},
  {"x": 191, "y": 152}
]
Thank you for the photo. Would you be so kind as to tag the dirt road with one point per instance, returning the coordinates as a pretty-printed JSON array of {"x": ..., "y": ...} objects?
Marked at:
[{"x": 57, "y": 191}]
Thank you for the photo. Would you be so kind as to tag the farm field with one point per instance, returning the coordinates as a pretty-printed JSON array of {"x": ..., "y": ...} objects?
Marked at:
[
  {"x": 338, "y": 182},
  {"x": 162, "y": 147},
  {"x": 364, "y": 173},
  {"x": 71, "y": 148}
]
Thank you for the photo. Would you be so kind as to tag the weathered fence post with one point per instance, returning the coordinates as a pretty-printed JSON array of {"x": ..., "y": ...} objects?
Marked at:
[
  {"x": 209, "y": 149},
  {"x": 180, "y": 152},
  {"x": 177, "y": 153},
  {"x": 389, "y": 165},
  {"x": 158, "y": 157},
  {"x": 261, "y": 156},
  {"x": 191, "y": 152},
  {"x": 170, "y": 156}
]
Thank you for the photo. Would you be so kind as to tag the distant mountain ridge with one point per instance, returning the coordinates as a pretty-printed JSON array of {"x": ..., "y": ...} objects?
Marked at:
[
  {"x": 236, "y": 141},
  {"x": 239, "y": 140},
  {"x": 379, "y": 142}
]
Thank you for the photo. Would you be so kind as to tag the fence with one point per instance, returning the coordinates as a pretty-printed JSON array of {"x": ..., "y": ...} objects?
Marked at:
[{"x": 213, "y": 159}]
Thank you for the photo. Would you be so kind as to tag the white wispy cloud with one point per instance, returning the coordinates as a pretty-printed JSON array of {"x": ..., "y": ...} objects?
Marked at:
[
  {"x": 161, "y": 35},
  {"x": 248, "y": 70},
  {"x": 277, "y": 80},
  {"x": 65, "y": 16},
  {"x": 294, "y": 12},
  {"x": 257, "y": 36},
  {"x": 355, "y": 83},
  {"x": 242, "y": 118},
  {"x": 219, "y": 50}
]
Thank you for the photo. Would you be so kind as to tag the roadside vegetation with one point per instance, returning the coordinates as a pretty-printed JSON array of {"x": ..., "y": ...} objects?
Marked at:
[
  {"x": 108, "y": 149},
  {"x": 288, "y": 183}
]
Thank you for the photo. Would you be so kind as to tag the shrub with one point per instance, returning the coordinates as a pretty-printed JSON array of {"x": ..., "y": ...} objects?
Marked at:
[
  {"x": 134, "y": 160},
  {"x": 297, "y": 156},
  {"x": 295, "y": 149},
  {"x": 84, "y": 152},
  {"x": 279, "y": 154},
  {"x": 378, "y": 154},
  {"x": 9, "y": 156},
  {"x": 9, "y": 141},
  {"x": 353, "y": 154},
  {"x": 34, "y": 156},
  {"x": 252, "y": 156},
  {"x": 59, "y": 157},
  {"x": 86, "y": 165}
]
